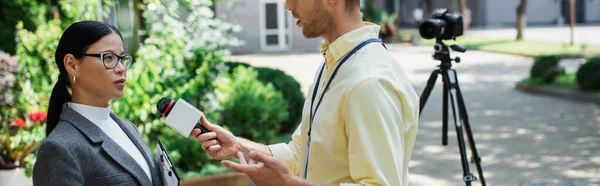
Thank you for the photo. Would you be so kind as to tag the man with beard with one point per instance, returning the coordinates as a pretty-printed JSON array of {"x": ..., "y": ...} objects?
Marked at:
[{"x": 360, "y": 118}]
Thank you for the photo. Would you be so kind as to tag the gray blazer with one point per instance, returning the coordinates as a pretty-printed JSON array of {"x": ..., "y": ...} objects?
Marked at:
[{"x": 77, "y": 152}]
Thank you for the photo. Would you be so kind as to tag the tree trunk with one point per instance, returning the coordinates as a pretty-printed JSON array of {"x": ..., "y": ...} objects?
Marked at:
[
  {"x": 430, "y": 9},
  {"x": 572, "y": 19},
  {"x": 521, "y": 19},
  {"x": 466, "y": 16},
  {"x": 453, "y": 6}
]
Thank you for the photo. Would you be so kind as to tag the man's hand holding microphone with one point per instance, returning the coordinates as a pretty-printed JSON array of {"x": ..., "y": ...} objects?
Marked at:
[
  {"x": 218, "y": 143},
  {"x": 255, "y": 160}
]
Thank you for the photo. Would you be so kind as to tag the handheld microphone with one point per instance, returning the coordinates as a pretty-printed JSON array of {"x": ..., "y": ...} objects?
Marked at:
[{"x": 181, "y": 116}]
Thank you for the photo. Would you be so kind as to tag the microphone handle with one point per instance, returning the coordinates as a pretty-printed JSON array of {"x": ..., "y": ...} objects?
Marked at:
[{"x": 202, "y": 128}]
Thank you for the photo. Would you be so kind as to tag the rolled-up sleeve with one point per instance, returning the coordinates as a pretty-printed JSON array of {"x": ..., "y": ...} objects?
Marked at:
[
  {"x": 375, "y": 130},
  {"x": 288, "y": 153}
]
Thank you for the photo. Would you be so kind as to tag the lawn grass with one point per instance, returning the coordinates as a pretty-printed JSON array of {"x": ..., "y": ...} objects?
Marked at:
[
  {"x": 565, "y": 81},
  {"x": 525, "y": 48}
]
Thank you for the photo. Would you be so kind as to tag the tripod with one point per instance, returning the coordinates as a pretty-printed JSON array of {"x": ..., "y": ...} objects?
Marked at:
[{"x": 452, "y": 90}]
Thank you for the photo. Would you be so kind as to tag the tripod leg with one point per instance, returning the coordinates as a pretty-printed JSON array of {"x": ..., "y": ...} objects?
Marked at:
[
  {"x": 465, "y": 118},
  {"x": 445, "y": 109},
  {"x": 451, "y": 80},
  {"x": 428, "y": 88}
]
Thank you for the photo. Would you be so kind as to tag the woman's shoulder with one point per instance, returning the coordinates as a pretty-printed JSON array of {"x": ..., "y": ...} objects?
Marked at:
[{"x": 64, "y": 133}]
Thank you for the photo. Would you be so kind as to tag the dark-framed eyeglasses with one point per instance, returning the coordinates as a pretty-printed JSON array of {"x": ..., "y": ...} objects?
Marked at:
[{"x": 110, "y": 60}]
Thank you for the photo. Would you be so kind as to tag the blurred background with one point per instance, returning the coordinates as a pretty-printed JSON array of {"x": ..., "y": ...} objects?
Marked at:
[{"x": 530, "y": 79}]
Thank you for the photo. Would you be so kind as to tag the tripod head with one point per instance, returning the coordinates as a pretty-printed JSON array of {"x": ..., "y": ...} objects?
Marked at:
[{"x": 442, "y": 53}]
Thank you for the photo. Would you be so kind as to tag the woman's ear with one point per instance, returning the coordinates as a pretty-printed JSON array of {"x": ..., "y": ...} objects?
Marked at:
[{"x": 70, "y": 63}]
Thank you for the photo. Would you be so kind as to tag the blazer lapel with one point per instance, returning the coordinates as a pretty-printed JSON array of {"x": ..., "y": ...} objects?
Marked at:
[
  {"x": 125, "y": 160},
  {"x": 96, "y": 135},
  {"x": 131, "y": 132}
]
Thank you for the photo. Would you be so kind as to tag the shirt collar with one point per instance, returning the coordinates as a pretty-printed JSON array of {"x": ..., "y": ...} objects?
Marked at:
[{"x": 342, "y": 45}]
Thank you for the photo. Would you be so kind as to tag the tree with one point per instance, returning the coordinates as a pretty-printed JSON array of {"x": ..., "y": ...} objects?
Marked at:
[
  {"x": 521, "y": 19},
  {"x": 430, "y": 9},
  {"x": 466, "y": 14},
  {"x": 572, "y": 19},
  {"x": 453, "y": 6}
]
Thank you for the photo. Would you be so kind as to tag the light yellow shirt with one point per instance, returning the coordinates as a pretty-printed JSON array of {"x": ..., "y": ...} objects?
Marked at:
[{"x": 365, "y": 128}]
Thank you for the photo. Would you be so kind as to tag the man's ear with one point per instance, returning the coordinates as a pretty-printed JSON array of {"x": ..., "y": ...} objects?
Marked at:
[
  {"x": 70, "y": 63},
  {"x": 331, "y": 2}
]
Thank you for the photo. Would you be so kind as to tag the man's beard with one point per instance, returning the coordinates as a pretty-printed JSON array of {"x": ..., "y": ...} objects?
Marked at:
[{"x": 319, "y": 21}]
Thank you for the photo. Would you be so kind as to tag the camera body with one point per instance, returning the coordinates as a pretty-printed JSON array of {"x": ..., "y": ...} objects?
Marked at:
[{"x": 442, "y": 25}]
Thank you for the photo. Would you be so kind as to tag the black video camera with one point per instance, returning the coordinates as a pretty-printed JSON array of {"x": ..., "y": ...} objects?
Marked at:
[{"x": 442, "y": 25}]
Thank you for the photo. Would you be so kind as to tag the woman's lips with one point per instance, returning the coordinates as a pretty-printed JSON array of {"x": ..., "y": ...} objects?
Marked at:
[{"x": 120, "y": 83}]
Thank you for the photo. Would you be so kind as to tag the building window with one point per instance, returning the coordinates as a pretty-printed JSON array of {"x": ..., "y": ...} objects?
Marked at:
[{"x": 274, "y": 25}]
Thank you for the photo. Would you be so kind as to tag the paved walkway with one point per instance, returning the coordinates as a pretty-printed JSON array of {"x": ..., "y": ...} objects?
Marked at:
[{"x": 521, "y": 137}]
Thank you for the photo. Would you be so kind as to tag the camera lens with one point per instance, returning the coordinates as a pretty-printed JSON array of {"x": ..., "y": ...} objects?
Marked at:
[{"x": 432, "y": 28}]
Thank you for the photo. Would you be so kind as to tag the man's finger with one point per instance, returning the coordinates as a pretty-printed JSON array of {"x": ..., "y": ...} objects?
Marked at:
[
  {"x": 241, "y": 158},
  {"x": 213, "y": 149},
  {"x": 247, "y": 169},
  {"x": 207, "y": 124},
  {"x": 268, "y": 161},
  {"x": 205, "y": 137},
  {"x": 209, "y": 143},
  {"x": 195, "y": 133}
]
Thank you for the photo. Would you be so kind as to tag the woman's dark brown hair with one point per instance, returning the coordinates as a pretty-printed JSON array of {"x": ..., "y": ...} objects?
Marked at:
[{"x": 75, "y": 40}]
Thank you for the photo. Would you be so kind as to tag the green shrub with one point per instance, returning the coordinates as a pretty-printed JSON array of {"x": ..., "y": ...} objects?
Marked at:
[
  {"x": 250, "y": 109},
  {"x": 290, "y": 88},
  {"x": 36, "y": 62},
  {"x": 287, "y": 85},
  {"x": 231, "y": 65},
  {"x": 588, "y": 75},
  {"x": 546, "y": 68},
  {"x": 371, "y": 13},
  {"x": 13, "y": 12}
]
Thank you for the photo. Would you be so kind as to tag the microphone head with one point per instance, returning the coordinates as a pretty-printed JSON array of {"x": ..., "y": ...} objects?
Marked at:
[{"x": 164, "y": 106}]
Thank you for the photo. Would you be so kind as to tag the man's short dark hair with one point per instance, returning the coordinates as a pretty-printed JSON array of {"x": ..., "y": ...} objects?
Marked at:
[{"x": 351, "y": 4}]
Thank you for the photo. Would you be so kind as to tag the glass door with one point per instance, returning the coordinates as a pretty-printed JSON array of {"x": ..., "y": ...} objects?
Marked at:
[{"x": 275, "y": 25}]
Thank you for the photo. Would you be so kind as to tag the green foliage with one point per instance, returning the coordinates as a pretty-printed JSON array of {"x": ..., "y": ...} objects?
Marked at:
[
  {"x": 546, "y": 68},
  {"x": 36, "y": 62},
  {"x": 72, "y": 11},
  {"x": 371, "y": 14},
  {"x": 18, "y": 143},
  {"x": 588, "y": 75},
  {"x": 251, "y": 109},
  {"x": 179, "y": 58},
  {"x": 290, "y": 88},
  {"x": 287, "y": 85},
  {"x": 36, "y": 12},
  {"x": 26, "y": 11},
  {"x": 389, "y": 18},
  {"x": 231, "y": 65}
]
